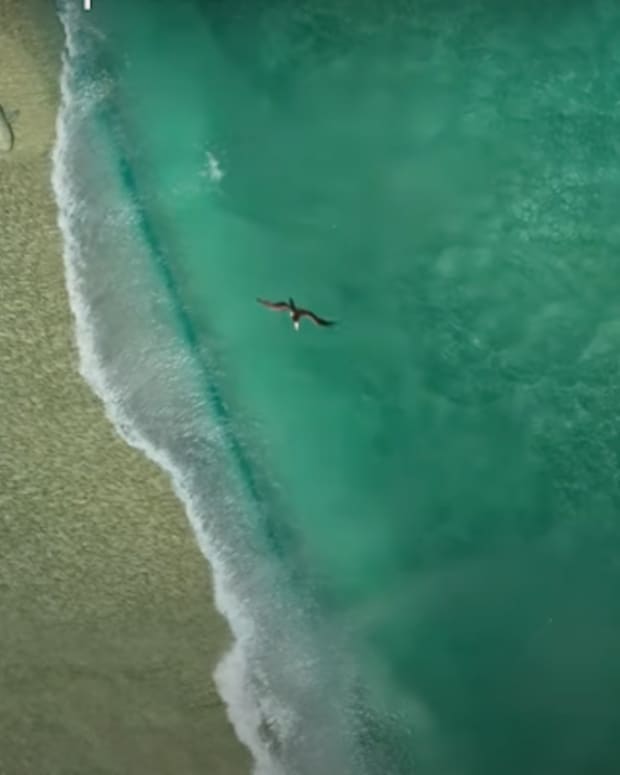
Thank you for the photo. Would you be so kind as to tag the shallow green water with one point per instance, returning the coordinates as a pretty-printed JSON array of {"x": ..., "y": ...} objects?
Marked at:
[{"x": 443, "y": 180}]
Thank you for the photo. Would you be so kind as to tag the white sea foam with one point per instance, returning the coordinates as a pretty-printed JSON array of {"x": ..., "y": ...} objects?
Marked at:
[{"x": 232, "y": 677}]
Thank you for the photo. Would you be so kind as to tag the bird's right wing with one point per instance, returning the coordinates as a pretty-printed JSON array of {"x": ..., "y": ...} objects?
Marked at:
[
  {"x": 277, "y": 305},
  {"x": 315, "y": 318}
]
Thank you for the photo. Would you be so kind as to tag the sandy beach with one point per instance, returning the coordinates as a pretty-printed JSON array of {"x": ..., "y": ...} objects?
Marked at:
[{"x": 108, "y": 633}]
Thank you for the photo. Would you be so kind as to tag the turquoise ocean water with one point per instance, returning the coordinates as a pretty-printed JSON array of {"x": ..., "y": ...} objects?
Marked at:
[{"x": 413, "y": 516}]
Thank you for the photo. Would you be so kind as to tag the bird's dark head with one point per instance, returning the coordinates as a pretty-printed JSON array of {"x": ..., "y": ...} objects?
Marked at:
[{"x": 292, "y": 303}]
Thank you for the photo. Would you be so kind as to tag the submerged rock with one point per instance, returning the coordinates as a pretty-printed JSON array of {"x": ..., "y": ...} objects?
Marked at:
[{"x": 6, "y": 133}]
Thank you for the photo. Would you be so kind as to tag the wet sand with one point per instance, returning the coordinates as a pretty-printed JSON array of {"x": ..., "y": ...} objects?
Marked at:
[{"x": 108, "y": 633}]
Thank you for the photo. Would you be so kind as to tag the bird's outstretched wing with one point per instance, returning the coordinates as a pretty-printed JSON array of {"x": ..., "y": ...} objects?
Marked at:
[
  {"x": 315, "y": 318},
  {"x": 277, "y": 305}
]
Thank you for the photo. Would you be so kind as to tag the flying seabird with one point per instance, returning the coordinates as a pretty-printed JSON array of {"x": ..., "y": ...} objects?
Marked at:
[{"x": 296, "y": 313}]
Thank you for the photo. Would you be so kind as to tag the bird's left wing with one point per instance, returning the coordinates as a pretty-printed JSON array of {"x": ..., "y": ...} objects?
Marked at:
[{"x": 277, "y": 305}]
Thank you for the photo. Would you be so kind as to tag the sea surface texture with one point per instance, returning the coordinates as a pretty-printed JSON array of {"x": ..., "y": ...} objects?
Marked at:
[{"x": 412, "y": 516}]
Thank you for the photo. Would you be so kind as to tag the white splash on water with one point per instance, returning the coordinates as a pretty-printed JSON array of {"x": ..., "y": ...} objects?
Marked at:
[{"x": 212, "y": 168}]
